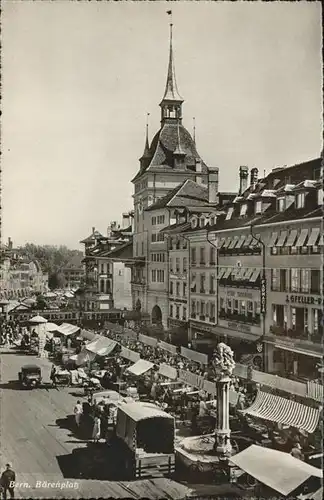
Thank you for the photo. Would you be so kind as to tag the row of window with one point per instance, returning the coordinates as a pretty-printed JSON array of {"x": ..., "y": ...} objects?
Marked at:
[
  {"x": 178, "y": 289},
  {"x": 282, "y": 204},
  {"x": 296, "y": 280},
  {"x": 202, "y": 256},
  {"x": 104, "y": 268},
  {"x": 202, "y": 310},
  {"x": 309, "y": 250},
  {"x": 302, "y": 320},
  {"x": 105, "y": 286},
  {"x": 155, "y": 237},
  {"x": 158, "y": 257},
  {"x": 157, "y": 275},
  {"x": 177, "y": 244},
  {"x": 175, "y": 312},
  {"x": 176, "y": 267},
  {"x": 198, "y": 283},
  {"x": 239, "y": 306},
  {"x": 157, "y": 220},
  {"x": 141, "y": 185}
]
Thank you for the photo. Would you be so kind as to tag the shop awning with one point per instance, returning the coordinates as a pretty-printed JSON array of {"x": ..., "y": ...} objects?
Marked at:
[
  {"x": 321, "y": 240},
  {"x": 281, "y": 239},
  {"x": 240, "y": 241},
  {"x": 168, "y": 371},
  {"x": 51, "y": 327},
  {"x": 101, "y": 346},
  {"x": 273, "y": 239},
  {"x": 278, "y": 470},
  {"x": 312, "y": 240},
  {"x": 248, "y": 240},
  {"x": 298, "y": 350},
  {"x": 221, "y": 272},
  {"x": 248, "y": 273},
  {"x": 221, "y": 243},
  {"x": 255, "y": 241},
  {"x": 284, "y": 411},
  {"x": 140, "y": 367},
  {"x": 302, "y": 237},
  {"x": 227, "y": 273},
  {"x": 227, "y": 242},
  {"x": 240, "y": 273},
  {"x": 234, "y": 241},
  {"x": 255, "y": 275},
  {"x": 291, "y": 240},
  {"x": 66, "y": 329}
]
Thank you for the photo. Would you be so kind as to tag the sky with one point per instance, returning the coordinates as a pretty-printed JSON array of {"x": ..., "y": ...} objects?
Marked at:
[{"x": 78, "y": 79}]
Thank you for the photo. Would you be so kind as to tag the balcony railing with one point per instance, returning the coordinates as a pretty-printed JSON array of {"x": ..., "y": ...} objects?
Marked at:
[
  {"x": 240, "y": 318},
  {"x": 283, "y": 331}
]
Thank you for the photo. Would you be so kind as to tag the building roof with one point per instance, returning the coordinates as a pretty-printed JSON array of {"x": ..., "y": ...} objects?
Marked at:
[
  {"x": 94, "y": 236},
  {"x": 187, "y": 193},
  {"x": 163, "y": 146},
  {"x": 122, "y": 252}
]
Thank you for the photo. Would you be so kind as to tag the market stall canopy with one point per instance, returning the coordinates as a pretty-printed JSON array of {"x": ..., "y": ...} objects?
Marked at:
[
  {"x": 138, "y": 411},
  {"x": 276, "y": 469},
  {"x": 198, "y": 357},
  {"x": 284, "y": 411},
  {"x": 168, "y": 371},
  {"x": 85, "y": 357},
  {"x": 87, "y": 335},
  {"x": 140, "y": 367},
  {"x": 129, "y": 354},
  {"x": 51, "y": 327},
  {"x": 101, "y": 346},
  {"x": 66, "y": 329},
  {"x": 38, "y": 320}
]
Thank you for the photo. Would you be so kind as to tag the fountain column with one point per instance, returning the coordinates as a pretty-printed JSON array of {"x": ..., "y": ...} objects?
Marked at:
[
  {"x": 222, "y": 432},
  {"x": 223, "y": 365}
]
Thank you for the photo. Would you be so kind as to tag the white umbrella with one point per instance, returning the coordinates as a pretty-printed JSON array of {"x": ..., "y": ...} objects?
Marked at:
[{"x": 38, "y": 320}]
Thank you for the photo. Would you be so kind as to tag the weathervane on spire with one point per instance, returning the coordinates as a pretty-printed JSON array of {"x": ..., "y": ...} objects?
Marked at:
[{"x": 169, "y": 12}]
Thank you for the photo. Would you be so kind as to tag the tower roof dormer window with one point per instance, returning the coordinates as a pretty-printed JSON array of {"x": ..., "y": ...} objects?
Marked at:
[
  {"x": 229, "y": 213},
  {"x": 300, "y": 200}
]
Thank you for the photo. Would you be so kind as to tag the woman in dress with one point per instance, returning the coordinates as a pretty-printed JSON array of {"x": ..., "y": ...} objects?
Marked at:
[{"x": 96, "y": 429}]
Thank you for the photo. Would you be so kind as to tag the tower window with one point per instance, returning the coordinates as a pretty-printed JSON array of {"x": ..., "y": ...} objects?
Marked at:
[
  {"x": 229, "y": 213},
  {"x": 243, "y": 209},
  {"x": 300, "y": 200}
]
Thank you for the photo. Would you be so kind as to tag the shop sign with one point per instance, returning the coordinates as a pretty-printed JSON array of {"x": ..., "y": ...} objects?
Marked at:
[
  {"x": 239, "y": 326},
  {"x": 304, "y": 299},
  {"x": 240, "y": 295},
  {"x": 263, "y": 296}
]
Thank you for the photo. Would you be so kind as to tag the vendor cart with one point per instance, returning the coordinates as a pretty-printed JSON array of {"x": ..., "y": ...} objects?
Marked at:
[
  {"x": 146, "y": 434},
  {"x": 63, "y": 378}
]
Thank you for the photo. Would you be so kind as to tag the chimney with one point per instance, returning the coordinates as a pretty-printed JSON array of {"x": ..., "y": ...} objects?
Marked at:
[
  {"x": 126, "y": 221},
  {"x": 9, "y": 244},
  {"x": 93, "y": 230},
  {"x": 244, "y": 173},
  {"x": 213, "y": 184},
  {"x": 253, "y": 176},
  {"x": 198, "y": 171}
]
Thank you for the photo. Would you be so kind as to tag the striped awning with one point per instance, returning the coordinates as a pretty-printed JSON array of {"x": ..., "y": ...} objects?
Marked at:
[
  {"x": 312, "y": 240},
  {"x": 240, "y": 241},
  {"x": 302, "y": 237},
  {"x": 221, "y": 272},
  {"x": 282, "y": 238},
  {"x": 248, "y": 273},
  {"x": 255, "y": 240},
  {"x": 284, "y": 411},
  {"x": 227, "y": 242},
  {"x": 248, "y": 240},
  {"x": 234, "y": 241},
  {"x": 227, "y": 274},
  {"x": 221, "y": 243},
  {"x": 255, "y": 275},
  {"x": 273, "y": 239},
  {"x": 291, "y": 238}
]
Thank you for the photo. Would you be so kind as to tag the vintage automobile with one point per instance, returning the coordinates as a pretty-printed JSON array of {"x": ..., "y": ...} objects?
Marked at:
[
  {"x": 146, "y": 435},
  {"x": 30, "y": 376}
]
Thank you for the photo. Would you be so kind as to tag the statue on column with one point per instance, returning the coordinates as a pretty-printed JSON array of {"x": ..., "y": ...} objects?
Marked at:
[{"x": 223, "y": 365}]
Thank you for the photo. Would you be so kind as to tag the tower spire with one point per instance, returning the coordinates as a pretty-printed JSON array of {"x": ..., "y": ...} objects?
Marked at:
[
  {"x": 194, "y": 129},
  {"x": 146, "y": 154},
  {"x": 172, "y": 100}
]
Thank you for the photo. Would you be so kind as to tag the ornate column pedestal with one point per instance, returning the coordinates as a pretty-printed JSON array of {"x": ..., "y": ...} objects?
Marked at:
[{"x": 222, "y": 432}]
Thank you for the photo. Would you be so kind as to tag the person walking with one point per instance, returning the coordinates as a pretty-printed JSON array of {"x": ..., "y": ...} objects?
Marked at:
[
  {"x": 53, "y": 376},
  {"x": 96, "y": 432},
  {"x": 78, "y": 410},
  {"x": 7, "y": 481}
]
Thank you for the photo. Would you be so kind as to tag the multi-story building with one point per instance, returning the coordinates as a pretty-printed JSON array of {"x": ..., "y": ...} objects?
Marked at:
[
  {"x": 20, "y": 276},
  {"x": 102, "y": 265},
  {"x": 73, "y": 273},
  {"x": 171, "y": 159},
  {"x": 269, "y": 275}
]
